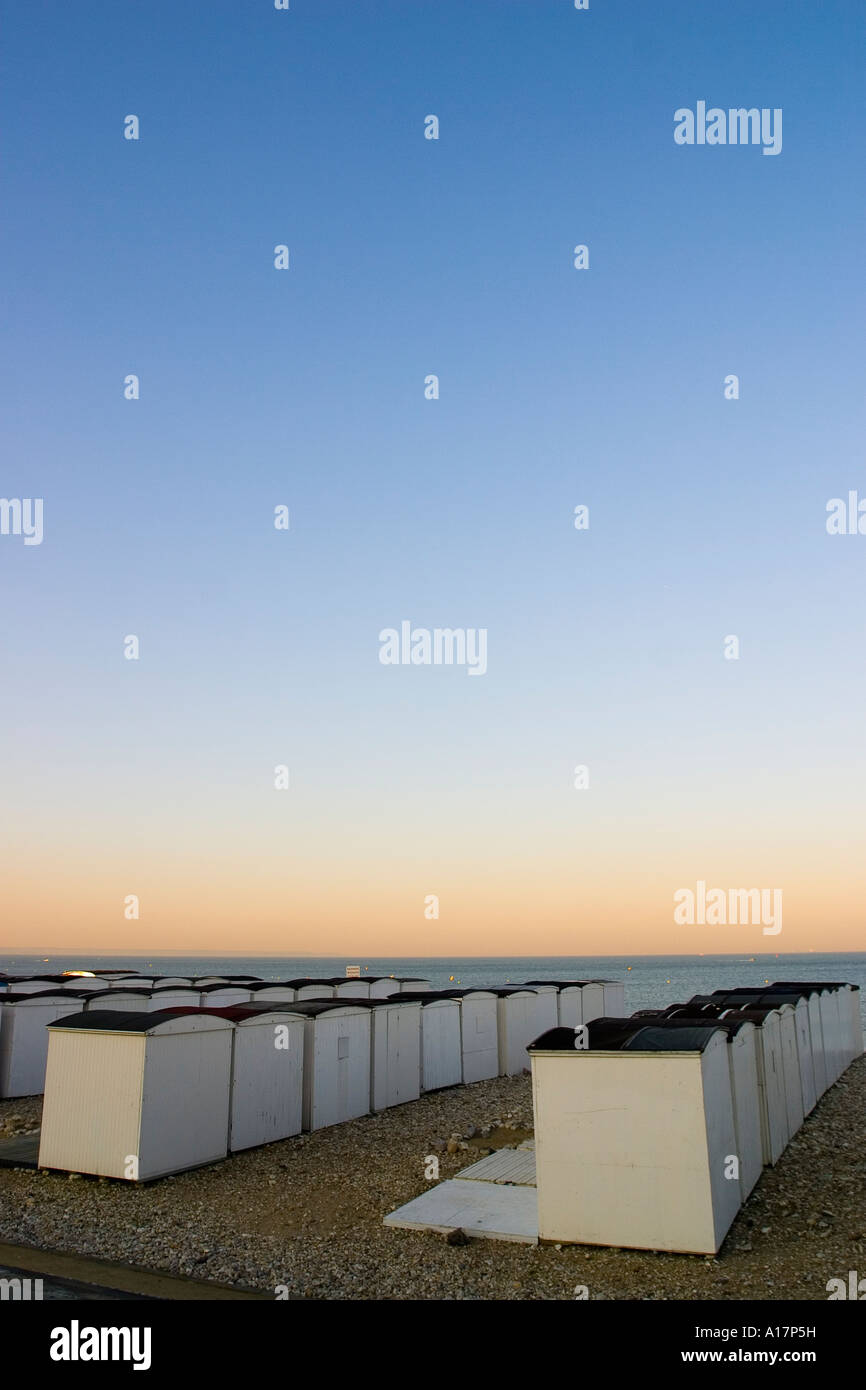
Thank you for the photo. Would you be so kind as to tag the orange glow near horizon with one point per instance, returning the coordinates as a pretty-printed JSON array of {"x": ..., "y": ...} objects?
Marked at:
[{"x": 514, "y": 909}]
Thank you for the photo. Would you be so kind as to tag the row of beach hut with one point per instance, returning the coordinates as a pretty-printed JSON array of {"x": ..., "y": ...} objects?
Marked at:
[
  {"x": 652, "y": 1130},
  {"x": 142, "y": 1082},
  {"x": 470, "y": 1036}
]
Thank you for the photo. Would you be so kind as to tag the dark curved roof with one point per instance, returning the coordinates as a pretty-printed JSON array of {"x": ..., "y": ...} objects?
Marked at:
[
  {"x": 13, "y": 997},
  {"x": 608, "y": 1034},
  {"x": 312, "y": 1007},
  {"x": 236, "y": 1012},
  {"x": 104, "y": 995},
  {"x": 756, "y": 1013},
  {"x": 256, "y": 986},
  {"x": 817, "y": 984},
  {"x": 305, "y": 980},
  {"x": 502, "y": 991},
  {"x": 554, "y": 1040},
  {"x": 559, "y": 984},
  {"x": 459, "y": 992},
  {"x": 207, "y": 989},
  {"x": 120, "y": 1020},
  {"x": 729, "y": 1024},
  {"x": 669, "y": 1040}
]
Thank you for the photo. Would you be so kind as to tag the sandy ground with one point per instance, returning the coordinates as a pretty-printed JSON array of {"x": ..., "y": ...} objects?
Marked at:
[{"x": 305, "y": 1215}]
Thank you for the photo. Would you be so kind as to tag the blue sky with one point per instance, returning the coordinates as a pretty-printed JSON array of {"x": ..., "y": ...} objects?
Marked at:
[{"x": 305, "y": 387}]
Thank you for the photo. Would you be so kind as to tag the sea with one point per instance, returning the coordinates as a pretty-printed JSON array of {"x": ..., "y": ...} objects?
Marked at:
[{"x": 651, "y": 981}]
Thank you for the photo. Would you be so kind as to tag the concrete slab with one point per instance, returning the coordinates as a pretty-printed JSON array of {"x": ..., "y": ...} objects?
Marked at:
[
  {"x": 505, "y": 1165},
  {"x": 482, "y": 1210}
]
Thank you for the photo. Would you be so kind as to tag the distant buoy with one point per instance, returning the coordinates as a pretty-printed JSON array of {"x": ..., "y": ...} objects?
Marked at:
[
  {"x": 628, "y": 967},
  {"x": 451, "y": 977}
]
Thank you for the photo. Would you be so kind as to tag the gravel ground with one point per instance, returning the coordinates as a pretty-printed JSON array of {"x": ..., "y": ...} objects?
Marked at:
[{"x": 307, "y": 1213}]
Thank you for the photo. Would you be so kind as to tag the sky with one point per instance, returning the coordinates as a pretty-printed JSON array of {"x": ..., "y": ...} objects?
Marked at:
[{"x": 153, "y": 779}]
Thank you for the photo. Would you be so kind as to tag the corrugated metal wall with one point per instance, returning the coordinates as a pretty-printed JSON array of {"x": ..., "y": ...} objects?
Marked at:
[{"x": 92, "y": 1106}]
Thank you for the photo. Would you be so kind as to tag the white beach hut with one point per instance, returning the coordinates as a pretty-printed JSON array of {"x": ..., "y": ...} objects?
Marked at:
[
  {"x": 847, "y": 998},
  {"x": 119, "y": 1000},
  {"x": 832, "y": 1028},
  {"x": 791, "y": 1067},
  {"x": 136, "y": 1095},
  {"x": 224, "y": 996},
  {"x": 266, "y": 993},
  {"x": 36, "y": 984},
  {"x": 516, "y": 1014},
  {"x": 851, "y": 998},
  {"x": 351, "y": 988},
  {"x": 592, "y": 1001},
  {"x": 441, "y": 1049},
  {"x": 479, "y": 1039},
  {"x": 569, "y": 1005},
  {"x": 791, "y": 1073},
  {"x": 850, "y": 1036},
  {"x": 812, "y": 995},
  {"x": 743, "y": 1066},
  {"x": 24, "y": 1037},
  {"x": 630, "y": 1145},
  {"x": 546, "y": 1004},
  {"x": 771, "y": 1079},
  {"x": 614, "y": 997},
  {"x": 173, "y": 997},
  {"x": 382, "y": 986},
  {"x": 803, "y": 1036},
  {"x": 796, "y": 1037},
  {"x": 834, "y": 1012},
  {"x": 306, "y": 989},
  {"x": 395, "y": 1063},
  {"x": 267, "y": 1096},
  {"x": 817, "y": 1035},
  {"x": 337, "y": 1061}
]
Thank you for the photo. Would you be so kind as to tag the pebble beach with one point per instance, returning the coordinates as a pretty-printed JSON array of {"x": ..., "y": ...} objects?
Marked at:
[{"x": 303, "y": 1218}]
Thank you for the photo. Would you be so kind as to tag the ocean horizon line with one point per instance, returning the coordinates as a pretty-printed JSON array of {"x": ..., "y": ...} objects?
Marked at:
[{"x": 32, "y": 953}]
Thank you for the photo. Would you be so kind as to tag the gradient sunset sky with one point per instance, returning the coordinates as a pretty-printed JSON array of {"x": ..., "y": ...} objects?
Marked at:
[{"x": 305, "y": 387}]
